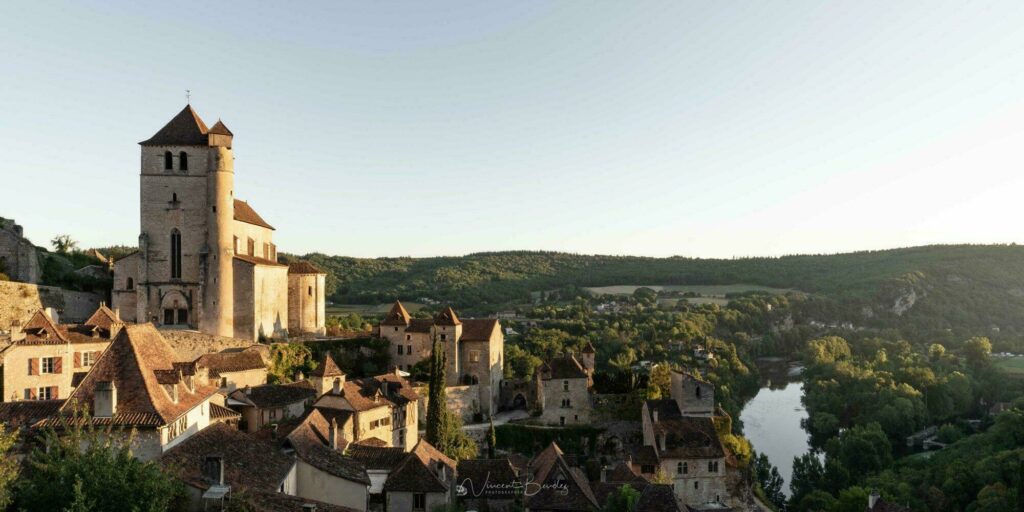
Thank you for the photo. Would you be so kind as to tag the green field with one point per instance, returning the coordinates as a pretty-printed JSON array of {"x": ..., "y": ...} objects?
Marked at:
[
  {"x": 711, "y": 291},
  {"x": 1012, "y": 365},
  {"x": 368, "y": 309}
]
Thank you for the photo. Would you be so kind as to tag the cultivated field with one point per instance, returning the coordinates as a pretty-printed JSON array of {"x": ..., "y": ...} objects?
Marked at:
[
  {"x": 1012, "y": 365},
  {"x": 709, "y": 291}
]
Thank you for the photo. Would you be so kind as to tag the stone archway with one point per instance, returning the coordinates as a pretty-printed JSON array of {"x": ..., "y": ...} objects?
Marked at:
[{"x": 175, "y": 309}]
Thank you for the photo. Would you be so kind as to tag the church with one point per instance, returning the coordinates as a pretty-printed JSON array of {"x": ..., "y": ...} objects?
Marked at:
[{"x": 207, "y": 260}]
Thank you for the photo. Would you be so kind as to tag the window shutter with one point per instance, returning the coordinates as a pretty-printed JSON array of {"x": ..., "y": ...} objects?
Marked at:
[
  {"x": 53, "y": 393},
  {"x": 31, "y": 393},
  {"x": 78, "y": 360},
  {"x": 33, "y": 366},
  {"x": 58, "y": 363}
]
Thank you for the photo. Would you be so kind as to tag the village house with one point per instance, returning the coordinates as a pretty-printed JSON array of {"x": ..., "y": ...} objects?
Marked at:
[
  {"x": 136, "y": 383},
  {"x": 563, "y": 389},
  {"x": 269, "y": 403},
  {"x": 552, "y": 484},
  {"x": 206, "y": 259},
  {"x": 474, "y": 350},
  {"x": 382, "y": 407},
  {"x": 490, "y": 481},
  {"x": 46, "y": 359},
  {"x": 681, "y": 443},
  {"x": 420, "y": 480},
  {"x": 233, "y": 369}
]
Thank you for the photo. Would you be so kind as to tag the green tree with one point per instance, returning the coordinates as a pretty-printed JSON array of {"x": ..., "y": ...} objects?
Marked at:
[
  {"x": 977, "y": 351},
  {"x": 492, "y": 439},
  {"x": 444, "y": 429},
  {"x": 8, "y": 465},
  {"x": 660, "y": 382},
  {"x": 84, "y": 468},
  {"x": 624, "y": 500},
  {"x": 63, "y": 244},
  {"x": 768, "y": 478}
]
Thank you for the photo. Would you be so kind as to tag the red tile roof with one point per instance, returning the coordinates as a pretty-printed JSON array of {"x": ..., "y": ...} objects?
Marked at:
[
  {"x": 142, "y": 368},
  {"x": 184, "y": 129},
  {"x": 303, "y": 267},
  {"x": 564, "y": 367},
  {"x": 227, "y": 362},
  {"x": 398, "y": 316},
  {"x": 248, "y": 462},
  {"x": 447, "y": 317},
  {"x": 219, "y": 412},
  {"x": 245, "y": 213},
  {"x": 311, "y": 438},
  {"x": 327, "y": 368},
  {"x": 272, "y": 395},
  {"x": 219, "y": 128},
  {"x": 419, "y": 472},
  {"x": 28, "y": 412},
  {"x": 550, "y": 465},
  {"x": 254, "y": 260},
  {"x": 479, "y": 329}
]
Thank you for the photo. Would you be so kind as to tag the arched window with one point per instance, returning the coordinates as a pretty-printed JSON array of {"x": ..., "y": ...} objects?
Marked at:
[
  {"x": 175, "y": 254},
  {"x": 130, "y": 285},
  {"x": 168, "y": 161},
  {"x": 174, "y": 197},
  {"x": 698, "y": 391},
  {"x": 183, "y": 161}
]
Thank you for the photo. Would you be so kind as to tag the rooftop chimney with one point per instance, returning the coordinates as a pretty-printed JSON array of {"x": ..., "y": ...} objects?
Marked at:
[
  {"x": 299, "y": 377},
  {"x": 52, "y": 313},
  {"x": 17, "y": 331},
  {"x": 104, "y": 400},
  {"x": 336, "y": 387},
  {"x": 604, "y": 473},
  {"x": 655, "y": 415},
  {"x": 117, "y": 313},
  {"x": 213, "y": 469},
  {"x": 333, "y": 434},
  {"x": 873, "y": 499},
  {"x": 247, "y": 389}
]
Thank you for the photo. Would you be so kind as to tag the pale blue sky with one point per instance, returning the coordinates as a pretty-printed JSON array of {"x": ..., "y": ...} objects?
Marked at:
[{"x": 424, "y": 128}]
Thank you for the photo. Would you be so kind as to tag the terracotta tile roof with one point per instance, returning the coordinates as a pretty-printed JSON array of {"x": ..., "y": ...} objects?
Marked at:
[
  {"x": 219, "y": 412},
  {"x": 374, "y": 457},
  {"x": 645, "y": 456},
  {"x": 621, "y": 472},
  {"x": 310, "y": 441},
  {"x": 420, "y": 325},
  {"x": 245, "y": 213},
  {"x": 327, "y": 367},
  {"x": 342, "y": 416},
  {"x": 40, "y": 329},
  {"x": 685, "y": 436},
  {"x": 248, "y": 462},
  {"x": 550, "y": 466},
  {"x": 272, "y": 395},
  {"x": 259, "y": 501},
  {"x": 353, "y": 397},
  {"x": 488, "y": 478},
  {"x": 447, "y": 317},
  {"x": 564, "y": 367},
  {"x": 184, "y": 129},
  {"x": 372, "y": 441},
  {"x": 398, "y": 316},
  {"x": 420, "y": 471},
  {"x": 136, "y": 362},
  {"x": 479, "y": 329},
  {"x": 219, "y": 128},
  {"x": 253, "y": 260},
  {"x": 27, "y": 413},
  {"x": 396, "y": 388},
  {"x": 303, "y": 267},
  {"x": 228, "y": 362},
  {"x": 103, "y": 318}
]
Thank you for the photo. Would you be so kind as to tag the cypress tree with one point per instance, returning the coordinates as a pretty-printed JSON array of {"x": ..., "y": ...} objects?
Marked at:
[
  {"x": 435, "y": 395},
  {"x": 492, "y": 440}
]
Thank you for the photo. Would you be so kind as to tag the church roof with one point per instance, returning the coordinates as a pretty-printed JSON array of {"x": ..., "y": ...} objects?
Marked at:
[
  {"x": 184, "y": 129},
  {"x": 397, "y": 316},
  {"x": 447, "y": 317},
  {"x": 245, "y": 213},
  {"x": 254, "y": 260},
  {"x": 303, "y": 267}
]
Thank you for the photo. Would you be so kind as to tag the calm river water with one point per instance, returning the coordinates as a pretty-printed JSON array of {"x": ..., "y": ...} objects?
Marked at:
[{"x": 771, "y": 420}]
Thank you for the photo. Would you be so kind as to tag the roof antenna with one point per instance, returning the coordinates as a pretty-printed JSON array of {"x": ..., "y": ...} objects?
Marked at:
[{"x": 188, "y": 96}]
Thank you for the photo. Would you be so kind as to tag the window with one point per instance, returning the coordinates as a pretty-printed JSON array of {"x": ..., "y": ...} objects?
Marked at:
[
  {"x": 89, "y": 358},
  {"x": 396, "y": 329},
  {"x": 408, "y": 349},
  {"x": 686, "y": 467},
  {"x": 474, "y": 356},
  {"x": 444, "y": 337},
  {"x": 561, "y": 420},
  {"x": 576, "y": 418},
  {"x": 310, "y": 291},
  {"x": 565, "y": 385},
  {"x": 182, "y": 316},
  {"x": 419, "y": 501},
  {"x": 236, "y": 245},
  {"x": 273, "y": 414},
  {"x": 401, "y": 348},
  {"x": 566, "y": 403},
  {"x": 698, "y": 391},
  {"x": 45, "y": 394},
  {"x": 252, "y": 247},
  {"x": 408, "y": 337},
  {"x": 696, "y": 484},
  {"x": 130, "y": 284},
  {"x": 713, "y": 466},
  {"x": 175, "y": 254},
  {"x": 48, "y": 364},
  {"x": 266, "y": 252},
  {"x": 679, "y": 468},
  {"x": 183, "y": 161},
  {"x": 168, "y": 161},
  {"x": 174, "y": 198}
]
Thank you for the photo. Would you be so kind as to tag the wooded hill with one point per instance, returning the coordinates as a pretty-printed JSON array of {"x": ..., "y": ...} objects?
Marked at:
[{"x": 931, "y": 289}]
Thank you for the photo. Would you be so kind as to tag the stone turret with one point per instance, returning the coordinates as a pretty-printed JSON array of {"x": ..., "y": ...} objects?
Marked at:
[{"x": 218, "y": 298}]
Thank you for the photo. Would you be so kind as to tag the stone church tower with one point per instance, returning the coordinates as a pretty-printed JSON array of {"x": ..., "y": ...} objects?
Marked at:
[{"x": 206, "y": 260}]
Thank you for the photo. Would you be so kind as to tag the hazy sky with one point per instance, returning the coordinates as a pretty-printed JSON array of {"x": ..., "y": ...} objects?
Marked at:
[{"x": 626, "y": 127}]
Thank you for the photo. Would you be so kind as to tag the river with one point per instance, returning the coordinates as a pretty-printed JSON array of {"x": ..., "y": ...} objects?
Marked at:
[{"x": 771, "y": 420}]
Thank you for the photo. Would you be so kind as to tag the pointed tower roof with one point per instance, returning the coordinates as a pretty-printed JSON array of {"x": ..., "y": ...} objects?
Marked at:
[
  {"x": 589, "y": 348},
  {"x": 398, "y": 316},
  {"x": 327, "y": 368},
  {"x": 447, "y": 317},
  {"x": 219, "y": 128},
  {"x": 184, "y": 129},
  {"x": 102, "y": 318}
]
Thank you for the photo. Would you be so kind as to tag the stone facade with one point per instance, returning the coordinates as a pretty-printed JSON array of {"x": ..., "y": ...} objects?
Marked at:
[
  {"x": 18, "y": 257},
  {"x": 206, "y": 260},
  {"x": 307, "y": 310},
  {"x": 19, "y": 300},
  {"x": 474, "y": 350},
  {"x": 563, "y": 391}
]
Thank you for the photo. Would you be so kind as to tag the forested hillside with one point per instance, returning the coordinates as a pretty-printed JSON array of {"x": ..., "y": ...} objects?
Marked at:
[{"x": 932, "y": 289}]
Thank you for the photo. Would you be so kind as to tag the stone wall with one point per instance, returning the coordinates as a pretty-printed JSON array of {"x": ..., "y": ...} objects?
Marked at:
[
  {"x": 462, "y": 400},
  {"x": 18, "y": 257},
  {"x": 189, "y": 345},
  {"x": 19, "y": 300}
]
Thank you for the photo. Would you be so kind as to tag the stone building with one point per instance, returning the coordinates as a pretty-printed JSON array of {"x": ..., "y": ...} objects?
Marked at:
[
  {"x": 474, "y": 349},
  {"x": 231, "y": 370},
  {"x": 46, "y": 359},
  {"x": 206, "y": 259},
  {"x": 563, "y": 391},
  {"x": 552, "y": 484},
  {"x": 306, "y": 308},
  {"x": 18, "y": 257},
  {"x": 382, "y": 407},
  {"x": 681, "y": 443},
  {"x": 270, "y": 403},
  {"x": 422, "y": 479}
]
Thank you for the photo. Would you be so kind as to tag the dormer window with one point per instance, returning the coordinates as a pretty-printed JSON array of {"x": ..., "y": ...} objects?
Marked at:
[{"x": 183, "y": 161}]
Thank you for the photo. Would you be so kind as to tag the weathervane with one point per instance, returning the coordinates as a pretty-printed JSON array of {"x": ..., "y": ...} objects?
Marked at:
[{"x": 188, "y": 96}]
